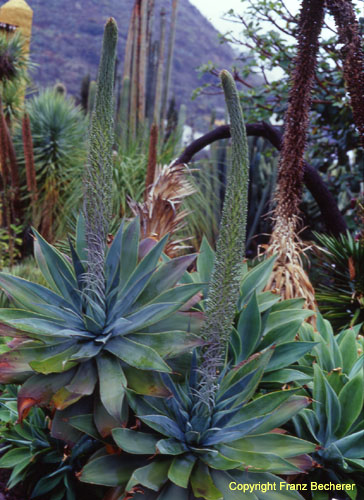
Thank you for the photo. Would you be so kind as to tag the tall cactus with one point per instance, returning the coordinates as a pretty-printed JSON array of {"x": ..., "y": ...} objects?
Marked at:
[
  {"x": 142, "y": 60},
  {"x": 98, "y": 169},
  {"x": 160, "y": 68},
  {"x": 230, "y": 248},
  {"x": 172, "y": 38}
]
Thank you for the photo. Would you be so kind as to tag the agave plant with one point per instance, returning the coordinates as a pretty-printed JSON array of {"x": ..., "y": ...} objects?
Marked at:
[
  {"x": 72, "y": 347},
  {"x": 210, "y": 433},
  {"x": 48, "y": 465},
  {"x": 336, "y": 420},
  {"x": 197, "y": 453},
  {"x": 262, "y": 319}
]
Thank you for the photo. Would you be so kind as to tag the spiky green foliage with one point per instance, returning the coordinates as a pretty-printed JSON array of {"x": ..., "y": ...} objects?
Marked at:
[
  {"x": 262, "y": 320},
  {"x": 98, "y": 170},
  {"x": 72, "y": 347},
  {"x": 336, "y": 420},
  {"x": 227, "y": 272},
  {"x": 44, "y": 463},
  {"x": 26, "y": 269},
  {"x": 340, "y": 293},
  {"x": 198, "y": 453}
]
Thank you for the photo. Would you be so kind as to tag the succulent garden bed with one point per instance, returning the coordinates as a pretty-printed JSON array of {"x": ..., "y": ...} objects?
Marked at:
[{"x": 134, "y": 369}]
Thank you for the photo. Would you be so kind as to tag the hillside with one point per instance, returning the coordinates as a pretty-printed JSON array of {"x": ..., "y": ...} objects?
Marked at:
[{"x": 67, "y": 39}]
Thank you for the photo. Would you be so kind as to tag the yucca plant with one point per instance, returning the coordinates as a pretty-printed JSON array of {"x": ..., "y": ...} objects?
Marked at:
[
  {"x": 336, "y": 420},
  {"x": 107, "y": 311},
  {"x": 59, "y": 131},
  {"x": 13, "y": 62},
  {"x": 47, "y": 464},
  {"x": 341, "y": 290}
]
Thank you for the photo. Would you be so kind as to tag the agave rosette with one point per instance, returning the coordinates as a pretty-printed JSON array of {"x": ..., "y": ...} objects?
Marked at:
[
  {"x": 197, "y": 452},
  {"x": 336, "y": 420},
  {"x": 43, "y": 463},
  {"x": 262, "y": 319},
  {"x": 74, "y": 345}
]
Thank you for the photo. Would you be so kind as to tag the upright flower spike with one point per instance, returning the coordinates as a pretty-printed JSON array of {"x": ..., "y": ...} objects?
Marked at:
[
  {"x": 98, "y": 170},
  {"x": 230, "y": 248}
]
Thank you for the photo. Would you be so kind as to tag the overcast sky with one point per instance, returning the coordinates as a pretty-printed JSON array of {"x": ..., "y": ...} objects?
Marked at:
[{"x": 213, "y": 10}]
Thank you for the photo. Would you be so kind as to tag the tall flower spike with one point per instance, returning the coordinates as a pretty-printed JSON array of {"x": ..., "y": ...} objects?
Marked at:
[
  {"x": 289, "y": 277},
  {"x": 98, "y": 170},
  {"x": 230, "y": 249}
]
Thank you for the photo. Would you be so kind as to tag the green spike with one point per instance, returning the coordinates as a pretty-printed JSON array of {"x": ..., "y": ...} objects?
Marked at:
[
  {"x": 230, "y": 248},
  {"x": 98, "y": 169}
]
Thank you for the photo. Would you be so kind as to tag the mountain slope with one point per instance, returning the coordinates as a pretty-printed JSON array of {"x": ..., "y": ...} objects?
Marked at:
[{"x": 67, "y": 39}]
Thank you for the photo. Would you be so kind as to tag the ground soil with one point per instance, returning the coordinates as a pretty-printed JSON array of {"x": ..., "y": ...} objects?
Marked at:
[{"x": 16, "y": 493}]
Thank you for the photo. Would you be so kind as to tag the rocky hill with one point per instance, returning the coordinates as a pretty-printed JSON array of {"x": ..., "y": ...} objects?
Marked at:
[{"x": 67, "y": 38}]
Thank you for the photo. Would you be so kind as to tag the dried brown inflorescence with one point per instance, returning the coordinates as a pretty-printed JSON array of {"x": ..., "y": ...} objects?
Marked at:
[
  {"x": 353, "y": 57},
  {"x": 29, "y": 158},
  {"x": 288, "y": 277},
  {"x": 161, "y": 213}
]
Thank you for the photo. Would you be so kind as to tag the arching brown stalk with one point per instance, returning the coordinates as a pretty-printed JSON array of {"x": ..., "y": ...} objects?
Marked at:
[
  {"x": 353, "y": 57},
  {"x": 289, "y": 277}
]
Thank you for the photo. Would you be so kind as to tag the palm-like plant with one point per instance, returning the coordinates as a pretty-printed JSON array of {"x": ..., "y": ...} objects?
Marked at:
[
  {"x": 341, "y": 290},
  {"x": 59, "y": 131},
  {"x": 13, "y": 61},
  {"x": 161, "y": 213}
]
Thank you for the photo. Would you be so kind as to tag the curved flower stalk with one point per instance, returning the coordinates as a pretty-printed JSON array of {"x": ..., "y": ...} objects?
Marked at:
[
  {"x": 288, "y": 276},
  {"x": 353, "y": 57},
  {"x": 230, "y": 248}
]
